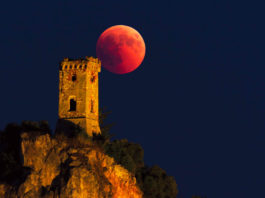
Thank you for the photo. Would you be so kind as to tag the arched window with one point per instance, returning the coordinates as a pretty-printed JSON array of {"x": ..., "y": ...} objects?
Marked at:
[{"x": 72, "y": 105}]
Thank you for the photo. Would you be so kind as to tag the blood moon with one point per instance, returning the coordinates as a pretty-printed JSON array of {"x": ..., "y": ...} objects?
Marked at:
[{"x": 121, "y": 49}]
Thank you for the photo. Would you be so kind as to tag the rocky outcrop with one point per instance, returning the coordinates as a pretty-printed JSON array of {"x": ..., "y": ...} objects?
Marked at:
[{"x": 65, "y": 167}]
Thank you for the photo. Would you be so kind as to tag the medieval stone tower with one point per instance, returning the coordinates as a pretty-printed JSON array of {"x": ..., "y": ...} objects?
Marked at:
[{"x": 78, "y": 95}]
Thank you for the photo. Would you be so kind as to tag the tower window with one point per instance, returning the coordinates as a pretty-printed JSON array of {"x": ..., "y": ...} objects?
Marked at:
[
  {"x": 92, "y": 107},
  {"x": 74, "y": 77},
  {"x": 72, "y": 105},
  {"x": 93, "y": 78}
]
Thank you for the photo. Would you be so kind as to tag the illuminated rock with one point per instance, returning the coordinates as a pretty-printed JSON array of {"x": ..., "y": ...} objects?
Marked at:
[{"x": 63, "y": 167}]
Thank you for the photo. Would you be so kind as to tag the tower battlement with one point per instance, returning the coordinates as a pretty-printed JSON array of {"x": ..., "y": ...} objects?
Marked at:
[
  {"x": 89, "y": 63},
  {"x": 78, "y": 94}
]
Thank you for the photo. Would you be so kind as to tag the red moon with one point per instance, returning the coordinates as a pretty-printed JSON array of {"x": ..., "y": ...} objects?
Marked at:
[{"x": 121, "y": 49}]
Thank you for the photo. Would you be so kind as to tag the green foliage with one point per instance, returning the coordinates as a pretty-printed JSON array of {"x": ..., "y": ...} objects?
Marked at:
[
  {"x": 81, "y": 133},
  {"x": 103, "y": 139},
  {"x": 105, "y": 128},
  {"x": 44, "y": 126},
  {"x": 11, "y": 167},
  {"x": 41, "y": 126},
  {"x": 154, "y": 182},
  {"x": 129, "y": 155},
  {"x": 75, "y": 138},
  {"x": 128, "y": 162}
]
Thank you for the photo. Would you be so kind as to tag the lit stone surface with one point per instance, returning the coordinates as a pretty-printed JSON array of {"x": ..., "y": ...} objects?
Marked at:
[
  {"x": 78, "y": 94},
  {"x": 60, "y": 168},
  {"x": 64, "y": 167}
]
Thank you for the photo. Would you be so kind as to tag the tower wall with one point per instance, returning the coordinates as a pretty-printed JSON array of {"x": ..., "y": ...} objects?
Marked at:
[{"x": 78, "y": 94}]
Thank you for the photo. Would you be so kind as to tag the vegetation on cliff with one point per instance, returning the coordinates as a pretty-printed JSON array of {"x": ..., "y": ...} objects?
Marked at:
[
  {"x": 46, "y": 165},
  {"x": 153, "y": 181},
  {"x": 10, "y": 149}
]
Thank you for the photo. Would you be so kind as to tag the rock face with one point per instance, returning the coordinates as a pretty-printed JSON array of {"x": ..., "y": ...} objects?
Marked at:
[{"x": 61, "y": 167}]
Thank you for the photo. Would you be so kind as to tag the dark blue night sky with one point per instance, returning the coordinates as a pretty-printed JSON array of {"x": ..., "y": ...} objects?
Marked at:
[{"x": 197, "y": 102}]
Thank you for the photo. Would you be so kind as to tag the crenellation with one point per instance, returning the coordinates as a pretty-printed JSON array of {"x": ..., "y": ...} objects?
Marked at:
[{"x": 93, "y": 64}]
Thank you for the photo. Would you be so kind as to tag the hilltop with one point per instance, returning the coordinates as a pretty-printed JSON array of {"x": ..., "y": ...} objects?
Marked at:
[{"x": 37, "y": 163}]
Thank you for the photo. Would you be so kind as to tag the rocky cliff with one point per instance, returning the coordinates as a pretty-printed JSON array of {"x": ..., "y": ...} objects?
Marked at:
[{"x": 63, "y": 167}]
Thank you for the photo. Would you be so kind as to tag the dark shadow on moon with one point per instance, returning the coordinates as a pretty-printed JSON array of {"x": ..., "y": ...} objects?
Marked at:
[
  {"x": 125, "y": 39},
  {"x": 128, "y": 40},
  {"x": 108, "y": 49}
]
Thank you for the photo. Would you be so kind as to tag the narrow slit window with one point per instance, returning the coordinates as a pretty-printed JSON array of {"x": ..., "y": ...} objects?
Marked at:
[
  {"x": 92, "y": 107},
  {"x": 93, "y": 78},
  {"x": 72, "y": 105}
]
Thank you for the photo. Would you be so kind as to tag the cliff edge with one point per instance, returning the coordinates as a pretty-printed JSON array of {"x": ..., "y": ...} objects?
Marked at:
[
  {"x": 63, "y": 167},
  {"x": 34, "y": 162}
]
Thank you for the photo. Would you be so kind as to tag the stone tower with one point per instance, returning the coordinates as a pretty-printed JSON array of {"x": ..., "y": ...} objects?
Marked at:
[{"x": 78, "y": 95}]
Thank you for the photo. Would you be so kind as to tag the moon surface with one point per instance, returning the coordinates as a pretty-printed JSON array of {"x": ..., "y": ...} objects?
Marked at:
[{"x": 121, "y": 49}]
